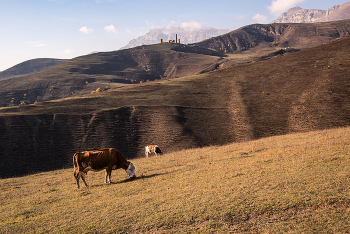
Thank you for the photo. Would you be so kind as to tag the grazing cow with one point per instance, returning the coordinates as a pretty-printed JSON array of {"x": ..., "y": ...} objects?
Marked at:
[
  {"x": 152, "y": 149},
  {"x": 97, "y": 160}
]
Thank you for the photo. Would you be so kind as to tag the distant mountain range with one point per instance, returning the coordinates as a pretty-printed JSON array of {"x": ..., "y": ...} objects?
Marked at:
[
  {"x": 186, "y": 36},
  {"x": 300, "y": 15}
]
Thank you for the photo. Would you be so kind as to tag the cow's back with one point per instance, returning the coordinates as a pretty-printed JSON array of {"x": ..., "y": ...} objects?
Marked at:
[
  {"x": 116, "y": 157},
  {"x": 100, "y": 159}
]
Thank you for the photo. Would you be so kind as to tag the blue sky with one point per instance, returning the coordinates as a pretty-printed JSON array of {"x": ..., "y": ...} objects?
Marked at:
[{"x": 70, "y": 28}]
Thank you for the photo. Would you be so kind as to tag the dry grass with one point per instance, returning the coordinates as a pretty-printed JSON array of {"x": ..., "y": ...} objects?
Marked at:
[{"x": 297, "y": 183}]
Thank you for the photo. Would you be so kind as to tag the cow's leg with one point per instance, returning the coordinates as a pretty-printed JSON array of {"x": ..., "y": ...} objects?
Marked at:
[
  {"x": 83, "y": 178},
  {"x": 146, "y": 154},
  {"x": 108, "y": 175},
  {"x": 77, "y": 177}
]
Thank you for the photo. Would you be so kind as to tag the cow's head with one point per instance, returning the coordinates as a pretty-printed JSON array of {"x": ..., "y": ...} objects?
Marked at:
[
  {"x": 158, "y": 151},
  {"x": 131, "y": 170}
]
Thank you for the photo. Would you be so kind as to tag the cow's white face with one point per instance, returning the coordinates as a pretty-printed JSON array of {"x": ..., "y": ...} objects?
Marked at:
[{"x": 131, "y": 171}]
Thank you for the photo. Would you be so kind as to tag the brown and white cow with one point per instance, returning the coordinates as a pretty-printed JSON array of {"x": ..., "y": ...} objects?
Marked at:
[
  {"x": 152, "y": 149},
  {"x": 97, "y": 160}
]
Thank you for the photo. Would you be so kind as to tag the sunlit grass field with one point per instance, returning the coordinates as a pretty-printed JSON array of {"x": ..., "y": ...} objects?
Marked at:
[{"x": 298, "y": 183}]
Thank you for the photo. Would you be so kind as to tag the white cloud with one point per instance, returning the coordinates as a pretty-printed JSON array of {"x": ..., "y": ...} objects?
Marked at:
[
  {"x": 191, "y": 26},
  {"x": 260, "y": 18},
  {"x": 69, "y": 51},
  {"x": 241, "y": 17},
  {"x": 36, "y": 44},
  {"x": 110, "y": 29},
  {"x": 279, "y": 6},
  {"x": 86, "y": 30}
]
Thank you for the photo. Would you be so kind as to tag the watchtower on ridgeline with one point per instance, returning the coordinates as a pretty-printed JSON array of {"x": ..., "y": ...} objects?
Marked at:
[{"x": 176, "y": 41}]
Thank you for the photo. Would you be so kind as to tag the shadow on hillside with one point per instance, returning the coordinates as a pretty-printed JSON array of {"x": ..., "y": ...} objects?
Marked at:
[{"x": 142, "y": 177}]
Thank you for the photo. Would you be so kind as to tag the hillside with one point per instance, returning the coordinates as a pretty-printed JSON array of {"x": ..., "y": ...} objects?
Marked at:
[
  {"x": 300, "y": 15},
  {"x": 186, "y": 35},
  {"x": 107, "y": 70},
  {"x": 263, "y": 37},
  {"x": 297, "y": 92},
  {"x": 297, "y": 183},
  {"x": 110, "y": 70},
  {"x": 30, "y": 66}
]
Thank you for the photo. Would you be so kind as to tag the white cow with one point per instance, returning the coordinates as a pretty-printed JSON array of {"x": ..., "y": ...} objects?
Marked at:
[{"x": 152, "y": 149}]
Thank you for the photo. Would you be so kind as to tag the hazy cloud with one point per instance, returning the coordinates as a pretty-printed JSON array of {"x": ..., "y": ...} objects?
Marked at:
[
  {"x": 279, "y": 6},
  {"x": 36, "y": 44},
  {"x": 86, "y": 30},
  {"x": 171, "y": 24},
  {"x": 260, "y": 18},
  {"x": 241, "y": 17},
  {"x": 191, "y": 26},
  {"x": 69, "y": 51},
  {"x": 110, "y": 29}
]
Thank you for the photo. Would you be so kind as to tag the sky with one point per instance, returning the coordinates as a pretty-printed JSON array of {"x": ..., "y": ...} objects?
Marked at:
[{"x": 70, "y": 28}]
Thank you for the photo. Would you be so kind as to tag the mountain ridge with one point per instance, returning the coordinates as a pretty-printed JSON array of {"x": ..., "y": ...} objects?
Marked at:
[
  {"x": 300, "y": 15},
  {"x": 29, "y": 67},
  {"x": 297, "y": 35}
]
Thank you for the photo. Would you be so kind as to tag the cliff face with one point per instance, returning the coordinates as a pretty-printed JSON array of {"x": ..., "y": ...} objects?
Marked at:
[
  {"x": 185, "y": 36},
  {"x": 299, "y": 15}
]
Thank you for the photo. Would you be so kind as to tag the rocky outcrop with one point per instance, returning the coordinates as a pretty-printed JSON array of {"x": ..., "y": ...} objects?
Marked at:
[{"x": 300, "y": 15}]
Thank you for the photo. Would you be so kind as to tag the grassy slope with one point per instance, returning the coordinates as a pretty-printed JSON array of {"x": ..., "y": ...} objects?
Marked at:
[{"x": 295, "y": 183}]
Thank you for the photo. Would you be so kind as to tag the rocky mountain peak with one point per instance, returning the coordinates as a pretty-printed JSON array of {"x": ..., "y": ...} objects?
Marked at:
[{"x": 300, "y": 15}]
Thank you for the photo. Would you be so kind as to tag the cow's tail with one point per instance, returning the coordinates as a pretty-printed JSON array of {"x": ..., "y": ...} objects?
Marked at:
[{"x": 75, "y": 163}]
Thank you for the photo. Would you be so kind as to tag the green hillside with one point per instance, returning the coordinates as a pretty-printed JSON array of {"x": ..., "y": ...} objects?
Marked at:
[{"x": 298, "y": 183}]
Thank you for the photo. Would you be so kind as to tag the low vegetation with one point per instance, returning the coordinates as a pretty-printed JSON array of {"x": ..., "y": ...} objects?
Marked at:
[{"x": 298, "y": 183}]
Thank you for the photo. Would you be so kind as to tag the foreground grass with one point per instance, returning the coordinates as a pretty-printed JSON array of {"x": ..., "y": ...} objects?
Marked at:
[{"x": 298, "y": 183}]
